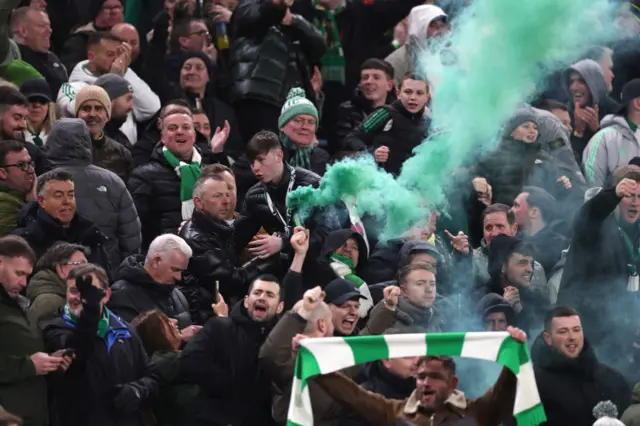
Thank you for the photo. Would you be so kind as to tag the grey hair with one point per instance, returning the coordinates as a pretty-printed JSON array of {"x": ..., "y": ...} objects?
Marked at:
[
  {"x": 168, "y": 243},
  {"x": 198, "y": 187}
]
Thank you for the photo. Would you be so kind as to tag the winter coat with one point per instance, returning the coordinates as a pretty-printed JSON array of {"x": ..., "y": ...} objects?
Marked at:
[
  {"x": 278, "y": 361},
  {"x": 135, "y": 292},
  {"x": 614, "y": 145},
  {"x": 22, "y": 392},
  {"x": 394, "y": 127},
  {"x": 101, "y": 196},
  {"x": 595, "y": 276},
  {"x": 155, "y": 188},
  {"x": 84, "y": 394},
  {"x": 223, "y": 360},
  {"x": 111, "y": 155},
  {"x": 570, "y": 388},
  {"x": 47, "y": 64},
  {"x": 42, "y": 231},
  {"x": 145, "y": 102},
  {"x": 415, "y": 319},
  {"x": 175, "y": 405},
  {"x": 74, "y": 49},
  {"x": 11, "y": 202},
  {"x": 495, "y": 406},
  {"x": 548, "y": 246},
  {"x": 350, "y": 114},
  {"x": 48, "y": 295},
  {"x": 267, "y": 58},
  {"x": 631, "y": 416}
]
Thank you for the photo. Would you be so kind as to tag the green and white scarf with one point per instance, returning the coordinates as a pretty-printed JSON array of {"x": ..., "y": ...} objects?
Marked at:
[
  {"x": 300, "y": 156},
  {"x": 329, "y": 354},
  {"x": 343, "y": 267},
  {"x": 188, "y": 174},
  {"x": 103, "y": 324}
]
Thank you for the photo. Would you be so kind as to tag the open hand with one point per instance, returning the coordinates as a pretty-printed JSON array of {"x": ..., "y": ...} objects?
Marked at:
[
  {"x": 220, "y": 137},
  {"x": 265, "y": 246},
  {"x": 188, "y": 332}
]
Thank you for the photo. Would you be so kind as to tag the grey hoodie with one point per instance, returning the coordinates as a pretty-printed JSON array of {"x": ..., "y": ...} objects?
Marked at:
[
  {"x": 592, "y": 74},
  {"x": 101, "y": 195}
]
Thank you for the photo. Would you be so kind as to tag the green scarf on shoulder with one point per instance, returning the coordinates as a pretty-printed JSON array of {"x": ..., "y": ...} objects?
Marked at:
[
  {"x": 188, "y": 174},
  {"x": 103, "y": 324},
  {"x": 301, "y": 156},
  {"x": 356, "y": 280},
  {"x": 333, "y": 61}
]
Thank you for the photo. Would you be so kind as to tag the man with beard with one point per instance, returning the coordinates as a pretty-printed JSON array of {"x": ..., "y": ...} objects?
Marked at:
[
  {"x": 17, "y": 183},
  {"x": 13, "y": 123},
  {"x": 223, "y": 360},
  {"x": 435, "y": 401}
]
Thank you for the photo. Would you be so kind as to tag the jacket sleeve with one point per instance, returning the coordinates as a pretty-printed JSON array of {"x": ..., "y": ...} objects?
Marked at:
[
  {"x": 293, "y": 289},
  {"x": 145, "y": 102},
  {"x": 16, "y": 369},
  {"x": 141, "y": 191},
  {"x": 67, "y": 97},
  {"x": 496, "y": 405},
  {"x": 276, "y": 355},
  {"x": 380, "y": 320},
  {"x": 247, "y": 225},
  {"x": 592, "y": 215},
  {"x": 129, "y": 228},
  {"x": 311, "y": 40},
  {"x": 372, "y": 407},
  {"x": 595, "y": 158},
  {"x": 147, "y": 383},
  {"x": 361, "y": 138},
  {"x": 253, "y": 18}
]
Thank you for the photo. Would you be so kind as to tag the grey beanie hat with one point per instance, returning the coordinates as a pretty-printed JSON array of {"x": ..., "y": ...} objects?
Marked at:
[
  {"x": 521, "y": 115},
  {"x": 114, "y": 85}
]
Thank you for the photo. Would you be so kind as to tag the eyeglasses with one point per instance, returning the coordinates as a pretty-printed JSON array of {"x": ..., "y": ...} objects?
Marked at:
[
  {"x": 81, "y": 262},
  {"x": 23, "y": 165},
  {"x": 112, "y": 8},
  {"x": 200, "y": 33}
]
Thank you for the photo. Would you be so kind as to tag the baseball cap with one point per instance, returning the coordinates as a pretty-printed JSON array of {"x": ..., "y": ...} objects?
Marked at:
[
  {"x": 36, "y": 88},
  {"x": 630, "y": 91},
  {"x": 340, "y": 291}
]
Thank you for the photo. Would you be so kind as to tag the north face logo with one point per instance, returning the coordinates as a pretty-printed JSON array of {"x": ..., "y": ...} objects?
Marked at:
[{"x": 102, "y": 188}]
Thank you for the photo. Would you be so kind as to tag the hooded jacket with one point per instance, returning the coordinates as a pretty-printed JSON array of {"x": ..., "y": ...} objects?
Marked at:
[
  {"x": 614, "y": 145},
  {"x": 403, "y": 59},
  {"x": 48, "y": 294},
  {"x": 145, "y": 102},
  {"x": 11, "y": 202},
  {"x": 101, "y": 195},
  {"x": 570, "y": 388},
  {"x": 135, "y": 292}
]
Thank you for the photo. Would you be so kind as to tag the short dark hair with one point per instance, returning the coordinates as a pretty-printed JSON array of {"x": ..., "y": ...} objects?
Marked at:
[
  {"x": 10, "y": 96},
  {"x": 261, "y": 143},
  {"x": 414, "y": 76},
  {"x": 558, "y": 312},
  {"x": 269, "y": 278},
  {"x": 55, "y": 174},
  {"x": 550, "y": 104},
  {"x": 628, "y": 171},
  {"x": 542, "y": 200},
  {"x": 522, "y": 248},
  {"x": 378, "y": 64},
  {"x": 9, "y": 146},
  {"x": 95, "y": 38},
  {"x": 90, "y": 268},
  {"x": 447, "y": 362},
  {"x": 14, "y": 246},
  {"x": 500, "y": 208},
  {"x": 59, "y": 254},
  {"x": 181, "y": 28},
  {"x": 407, "y": 269},
  {"x": 215, "y": 170}
]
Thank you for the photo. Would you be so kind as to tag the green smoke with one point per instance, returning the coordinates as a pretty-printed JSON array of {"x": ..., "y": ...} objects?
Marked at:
[{"x": 504, "y": 49}]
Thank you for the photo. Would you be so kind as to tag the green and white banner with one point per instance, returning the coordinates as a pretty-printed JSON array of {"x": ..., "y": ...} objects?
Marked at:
[{"x": 329, "y": 354}]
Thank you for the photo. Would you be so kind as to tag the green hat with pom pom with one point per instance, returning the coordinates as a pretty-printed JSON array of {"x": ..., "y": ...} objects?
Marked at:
[{"x": 297, "y": 104}]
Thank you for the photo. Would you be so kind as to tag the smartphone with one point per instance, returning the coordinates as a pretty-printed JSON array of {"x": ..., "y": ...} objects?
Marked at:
[{"x": 68, "y": 353}]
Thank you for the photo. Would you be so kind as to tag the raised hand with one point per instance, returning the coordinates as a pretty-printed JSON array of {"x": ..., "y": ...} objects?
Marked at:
[
  {"x": 459, "y": 242},
  {"x": 300, "y": 240},
  {"x": 310, "y": 301},
  {"x": 391, "y": 295},
  {"x": 626, "y": 188},
  {"x": 220, "y": 137},
  {"x": 381, "y": 154}
]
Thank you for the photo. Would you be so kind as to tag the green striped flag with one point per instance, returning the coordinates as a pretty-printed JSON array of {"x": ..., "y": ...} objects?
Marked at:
[{"x": 329, "y": 354}]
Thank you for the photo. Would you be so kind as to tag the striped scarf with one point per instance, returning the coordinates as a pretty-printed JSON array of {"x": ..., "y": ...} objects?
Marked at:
[{"x": 329, "y": 354}]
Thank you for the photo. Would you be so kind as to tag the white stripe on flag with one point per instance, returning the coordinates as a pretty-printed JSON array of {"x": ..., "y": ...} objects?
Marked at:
[
  {"x": 402, "y": 345},
  {"x": 483, "y": 345},
  {"x": 526, "y": 394},
  {"x": 331, "y": 353},
  {"x": 300, "y": 411}
]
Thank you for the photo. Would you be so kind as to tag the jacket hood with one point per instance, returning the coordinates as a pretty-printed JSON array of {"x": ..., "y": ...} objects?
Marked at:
[
  {"x": 132, "y": 270},
  {"x": 619, "y": 123},
  {"x": 240, "y": 316},
  {"x": 336, "y": 239},
  {"x": 551, "y": 129},
  {"x": 548, "y": 358},
  {"x": 492, "y": 303},
  {"x": 419, "y": 19},
  {"x": 69, "y": 143},
  {"x": 46, "y": 282},
  {"x": 417, "y": 246},
  {"x": 592, "y": 75}
]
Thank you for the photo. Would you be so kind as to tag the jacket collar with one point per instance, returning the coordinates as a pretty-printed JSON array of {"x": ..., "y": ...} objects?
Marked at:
[
  {"x": 211, "y": 225},
  {"x": 456, "y": 400}
]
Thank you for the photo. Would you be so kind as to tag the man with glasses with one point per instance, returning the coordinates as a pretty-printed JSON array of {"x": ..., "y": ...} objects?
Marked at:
[{"x": 17, "y": 183}]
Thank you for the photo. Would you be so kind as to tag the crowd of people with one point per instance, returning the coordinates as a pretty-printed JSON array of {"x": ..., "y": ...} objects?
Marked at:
[{"x": 153, "y": 272}]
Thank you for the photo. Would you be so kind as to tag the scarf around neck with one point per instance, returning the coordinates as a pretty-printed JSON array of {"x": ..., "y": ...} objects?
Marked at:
[
  {"x": 356, "y": 280},
  {"x": 188, "y": 174},
  {"x": 301, "y": 156},
  {"x": 103, "y": 324}
]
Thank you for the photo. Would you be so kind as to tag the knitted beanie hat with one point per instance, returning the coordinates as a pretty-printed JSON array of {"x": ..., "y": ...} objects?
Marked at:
[
  {"x": 297, "y": 104},
  {"x": 114, "y": 85},
  {"x": 606, "y": 412},
  {"x": 521, "y": 116},
  {"x": 93, "y": 93}
]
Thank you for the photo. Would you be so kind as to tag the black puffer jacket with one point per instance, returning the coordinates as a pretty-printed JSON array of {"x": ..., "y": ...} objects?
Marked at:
[
  {"x": 42, "y": 231},
  {"x": 223, "y": 360},
  {"x": 268, "y": 58},
  {"x": 155, "y": 188},
  {"x": 101, "y": 195},
  {"x": 570, "y": 388},
  {"x": 135, "y": 292}
]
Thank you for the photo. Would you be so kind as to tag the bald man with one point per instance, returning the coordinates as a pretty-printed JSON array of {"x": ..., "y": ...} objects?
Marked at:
[{"x": 128, "y": 33}]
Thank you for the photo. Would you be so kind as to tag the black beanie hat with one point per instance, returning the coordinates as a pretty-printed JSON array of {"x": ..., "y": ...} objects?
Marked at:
[
  {"x": 502, "y": 246},
  {"x": 198, "y": 54}
]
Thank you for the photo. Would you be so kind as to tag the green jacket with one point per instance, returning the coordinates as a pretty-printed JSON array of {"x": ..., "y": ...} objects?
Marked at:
[
  {"x": 10, "y": 204},
  {"x": 48, "y": 294},
  {"x": 22, "y": 392}
]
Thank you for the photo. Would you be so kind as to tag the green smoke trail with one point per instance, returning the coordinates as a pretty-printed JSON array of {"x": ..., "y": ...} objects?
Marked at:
[{"x": 504, "y": 48}]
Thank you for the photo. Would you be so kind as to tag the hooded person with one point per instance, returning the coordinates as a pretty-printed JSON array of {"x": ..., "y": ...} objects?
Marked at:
[
  {"x": 102, "y": 196},
  {"x": 585, "y": 83},
  {"x": 298, "y": 124},
  {"x": 424, "y": 22}
]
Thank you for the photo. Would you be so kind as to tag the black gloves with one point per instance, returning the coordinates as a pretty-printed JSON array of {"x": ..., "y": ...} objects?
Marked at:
[
  {"x": 127, "y": 399},
  {"x": 91, "y": 295}
]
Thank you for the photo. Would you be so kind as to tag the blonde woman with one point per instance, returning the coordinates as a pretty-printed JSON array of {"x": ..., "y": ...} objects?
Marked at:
[{"x": 42, "y": 112}]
